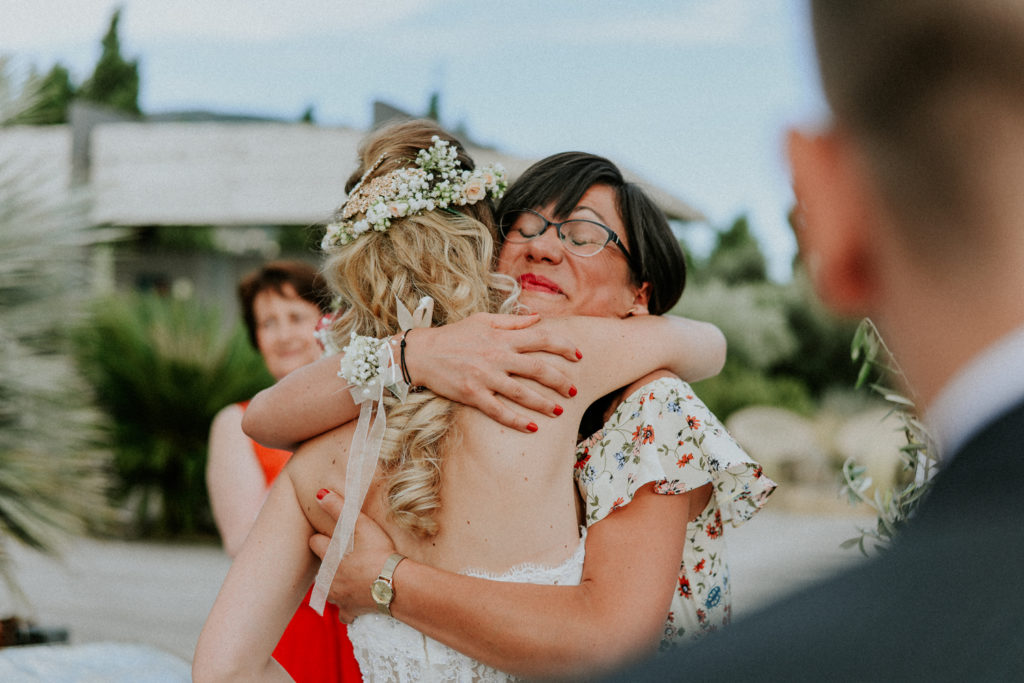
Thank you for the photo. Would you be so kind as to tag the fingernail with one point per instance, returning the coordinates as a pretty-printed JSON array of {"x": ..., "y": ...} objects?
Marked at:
[
  {"x": 321, "y": 493},
  {"x": 579, "y": 355},
  {"x": 532, "y": 426},
  {"x": 557, "y": 410},
  {"x": 572, "y": 390}
]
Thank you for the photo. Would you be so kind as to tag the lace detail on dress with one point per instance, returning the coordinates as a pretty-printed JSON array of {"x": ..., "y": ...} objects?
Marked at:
[
  {"x": 389, "y": 651},
  {"x": 568, "y": 573}
]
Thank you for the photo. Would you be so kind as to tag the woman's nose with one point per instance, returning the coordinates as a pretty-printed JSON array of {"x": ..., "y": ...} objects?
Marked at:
[
  {"x": 297, "y": 329},
  {"x": 546, "y": 247}
]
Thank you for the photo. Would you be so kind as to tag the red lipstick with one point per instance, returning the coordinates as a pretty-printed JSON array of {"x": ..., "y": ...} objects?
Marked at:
[{"x": 537, "y": 283}]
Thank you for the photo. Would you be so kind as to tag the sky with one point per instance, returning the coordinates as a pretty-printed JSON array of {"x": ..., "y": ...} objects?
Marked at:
[{"x": 695, "y": 96}]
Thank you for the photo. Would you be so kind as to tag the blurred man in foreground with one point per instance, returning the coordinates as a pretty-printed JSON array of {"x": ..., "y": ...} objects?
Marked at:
[{"x": 912, "y": 207}]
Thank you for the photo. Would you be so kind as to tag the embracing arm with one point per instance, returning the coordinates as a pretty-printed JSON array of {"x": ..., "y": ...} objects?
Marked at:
[
  {"x": 469, "y": 361},
  {"x": 259, "y": 596},
  {"x": 304, "y": 403},
  {"x": 697, "y": 349},
  {"x": 234, "y": 479},
  {"x": 618, "y": 351},
  {"x": 617, "y": 613}
]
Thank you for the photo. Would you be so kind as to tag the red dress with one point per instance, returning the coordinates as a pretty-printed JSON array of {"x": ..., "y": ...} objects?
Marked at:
[{"x": 314, "y": 648}]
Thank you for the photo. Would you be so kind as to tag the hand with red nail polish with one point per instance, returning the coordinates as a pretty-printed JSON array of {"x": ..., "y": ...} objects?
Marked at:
[{"x": 483, "y": 358}]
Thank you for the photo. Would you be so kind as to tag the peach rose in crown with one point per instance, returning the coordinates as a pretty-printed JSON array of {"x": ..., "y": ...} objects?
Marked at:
[{"x": 474, "y": 190}]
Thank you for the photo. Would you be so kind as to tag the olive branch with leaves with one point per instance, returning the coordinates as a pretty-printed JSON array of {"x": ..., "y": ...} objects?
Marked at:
[{"x": 893, "y": 507}]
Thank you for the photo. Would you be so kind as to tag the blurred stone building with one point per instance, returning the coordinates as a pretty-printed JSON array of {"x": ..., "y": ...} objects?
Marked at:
[{"x": 208, "y": 197}]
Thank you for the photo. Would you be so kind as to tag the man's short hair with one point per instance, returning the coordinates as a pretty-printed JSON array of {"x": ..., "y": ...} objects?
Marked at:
[{"x": 905, "y": 77}]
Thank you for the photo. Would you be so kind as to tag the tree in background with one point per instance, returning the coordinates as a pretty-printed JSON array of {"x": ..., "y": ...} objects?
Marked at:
[
  {"x": 114, "y": 81},
  {"x": 55, "y": 94},
  {"x": 737, "y": 257},
  {"x": 46, "y": 99},
  {"x": 434, "y": 107},
  {"x": 821, "y": 358},
  {"x": 784, "y": 348}
]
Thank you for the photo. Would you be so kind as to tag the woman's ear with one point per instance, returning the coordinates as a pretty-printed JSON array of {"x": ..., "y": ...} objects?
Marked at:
[
  {"x": 834, "y": 219},
  {"x": 641, "y": 299}
]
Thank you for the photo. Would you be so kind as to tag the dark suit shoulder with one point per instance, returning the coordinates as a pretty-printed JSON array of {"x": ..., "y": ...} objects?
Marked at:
[
  {"x": 942, "y": 604},
  {"x": 985, "y": 477}
]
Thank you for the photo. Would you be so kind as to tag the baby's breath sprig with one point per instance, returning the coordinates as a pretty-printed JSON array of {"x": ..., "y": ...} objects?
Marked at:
[{"x": 361, "y": 362}]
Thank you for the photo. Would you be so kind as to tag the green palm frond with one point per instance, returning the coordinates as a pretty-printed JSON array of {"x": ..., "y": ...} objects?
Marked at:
[
  {"x": 162, "y": 368},
  {"x": 53, "y": 474}
]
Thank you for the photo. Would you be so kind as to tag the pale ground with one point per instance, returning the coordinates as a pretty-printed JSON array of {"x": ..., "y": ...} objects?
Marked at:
[{"x": 157, "y": 595}]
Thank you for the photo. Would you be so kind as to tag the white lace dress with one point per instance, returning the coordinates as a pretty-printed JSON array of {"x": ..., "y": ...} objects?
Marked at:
[{"x": 390, "y": 651}]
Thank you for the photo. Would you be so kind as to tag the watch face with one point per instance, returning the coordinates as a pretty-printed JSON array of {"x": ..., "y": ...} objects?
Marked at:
[{"x": 382, "y": 592}]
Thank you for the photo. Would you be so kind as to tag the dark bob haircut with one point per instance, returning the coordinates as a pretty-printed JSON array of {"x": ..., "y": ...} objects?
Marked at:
[
  {"x": 562, "y": 179},
  {"x": 275, "y": 276}
]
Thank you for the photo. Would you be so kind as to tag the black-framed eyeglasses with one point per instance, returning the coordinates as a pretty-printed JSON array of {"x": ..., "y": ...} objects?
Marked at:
[{"x": 579, "y": 236}]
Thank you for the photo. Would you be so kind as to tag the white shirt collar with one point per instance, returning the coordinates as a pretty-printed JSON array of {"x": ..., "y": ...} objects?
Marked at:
[{"x": 989, "y": 384}]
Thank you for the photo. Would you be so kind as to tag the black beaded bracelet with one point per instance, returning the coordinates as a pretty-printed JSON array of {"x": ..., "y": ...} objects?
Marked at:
[{"x": 405, "y": 369}]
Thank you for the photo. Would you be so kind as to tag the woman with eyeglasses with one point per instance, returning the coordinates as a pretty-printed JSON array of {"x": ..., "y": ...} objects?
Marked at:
[{"x": 658, "y": 477}]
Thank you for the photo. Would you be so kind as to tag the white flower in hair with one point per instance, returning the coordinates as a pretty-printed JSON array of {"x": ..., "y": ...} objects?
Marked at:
[{"x": 411, "y": 190}]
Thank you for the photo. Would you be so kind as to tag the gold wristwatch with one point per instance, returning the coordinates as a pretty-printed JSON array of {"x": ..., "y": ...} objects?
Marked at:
[{"x": 382, "y": 591}]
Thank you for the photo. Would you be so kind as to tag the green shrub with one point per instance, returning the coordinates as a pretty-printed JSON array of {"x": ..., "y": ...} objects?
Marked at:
[
  {"x": 738, "y": 386},
  {"x": 161, "y": 369},
  {"x": 784, "y": 348},
  {"x": 751, "y": 316},
  {"x": 822, "y": 356}
]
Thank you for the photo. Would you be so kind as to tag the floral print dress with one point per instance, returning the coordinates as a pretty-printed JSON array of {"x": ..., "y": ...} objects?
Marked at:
[{"x": 663, "y": 433}]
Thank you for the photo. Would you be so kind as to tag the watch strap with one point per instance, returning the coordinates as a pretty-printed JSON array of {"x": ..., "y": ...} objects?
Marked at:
[
  {"x": 385, "y": 577},
  {"x": 389, "y": 566}
]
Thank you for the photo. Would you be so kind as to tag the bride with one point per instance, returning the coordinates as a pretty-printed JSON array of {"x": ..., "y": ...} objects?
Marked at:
[{"x": 418, "y": 225}]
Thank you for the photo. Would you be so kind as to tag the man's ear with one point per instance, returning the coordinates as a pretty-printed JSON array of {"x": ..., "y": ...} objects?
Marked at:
[
  {"x": 835, "y": 219},
  {"x": 641, "y": 299}
]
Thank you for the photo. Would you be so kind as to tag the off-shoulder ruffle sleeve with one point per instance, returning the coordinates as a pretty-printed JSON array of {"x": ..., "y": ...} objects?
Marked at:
[{"x": 663, "y": 433}]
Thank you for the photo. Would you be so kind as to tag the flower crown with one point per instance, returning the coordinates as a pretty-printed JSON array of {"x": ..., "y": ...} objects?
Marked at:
[{"x": 438, "y": 181}]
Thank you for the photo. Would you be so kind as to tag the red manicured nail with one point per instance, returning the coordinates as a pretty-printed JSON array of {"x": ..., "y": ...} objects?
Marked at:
[
  {"x": 532, "y": 426},
  {"x": 579, "y": 355},
  {"x": 572, "y": 390},
  {"x": 558, "y": 410},
  {"x": 321, "y": 493}
]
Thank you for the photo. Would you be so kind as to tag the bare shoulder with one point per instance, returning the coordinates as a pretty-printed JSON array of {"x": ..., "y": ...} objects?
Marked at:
[
  {"x": 230, "y": 414},
  {"x": 319, "y": 463},
  {"x": 226, "y": 429},
  {"x": 326, "y": 450}
]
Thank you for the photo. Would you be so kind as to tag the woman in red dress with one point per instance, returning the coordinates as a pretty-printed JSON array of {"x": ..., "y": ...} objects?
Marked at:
[{"x": 282, "y": 302}]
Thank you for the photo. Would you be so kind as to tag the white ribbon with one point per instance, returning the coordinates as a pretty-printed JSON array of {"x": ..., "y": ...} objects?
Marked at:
[
  {"x": 365, "y": 449},
  {"x": 421, "y": 317}
]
